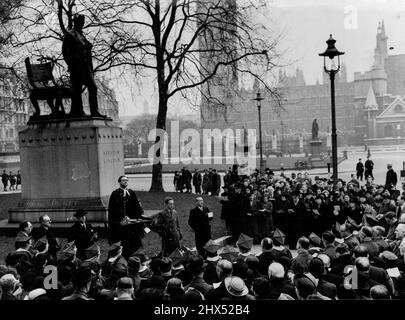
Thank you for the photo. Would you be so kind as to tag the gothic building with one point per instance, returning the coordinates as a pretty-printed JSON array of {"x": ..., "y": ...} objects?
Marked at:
[{"x": 369, "y": 110}]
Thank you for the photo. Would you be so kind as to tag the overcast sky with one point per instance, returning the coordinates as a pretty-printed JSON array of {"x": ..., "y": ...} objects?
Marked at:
[{"x": 305, "y": 26}]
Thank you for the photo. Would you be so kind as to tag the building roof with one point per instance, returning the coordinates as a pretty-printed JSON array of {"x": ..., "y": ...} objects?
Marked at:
[{"x": 371, "y": 102}]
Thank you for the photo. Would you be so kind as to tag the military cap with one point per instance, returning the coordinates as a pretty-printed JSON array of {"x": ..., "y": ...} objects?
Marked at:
[
  {"x": 69, "y": 248},
  {"x": 80, "y": 213},
  {"x": 114, "y": 246},
  {"x": 43, "y": 241},
  {"x": 389, "y": 215},
  {"x": 386, "y": 194},
  {"x": 211, "y": 246},
  {"x": 142, "y": 255},
  {"x": 22, "y": 238},
  {"x": 389, "y": 256},
  {"x": 145, "y": 273},
  {"x": 245, "y": 242},
  {"x": 229, "y": 253},
  {"x": 134, "y": 263},
  {"x": 92, "y": 251},
  {"x": 118, "y": 271},
  {"x": 279, "y": 236},
  {"x": 314, "y": 239},
  {"x": 177, "y": 256},
  {"x": 372, "y": 221}
]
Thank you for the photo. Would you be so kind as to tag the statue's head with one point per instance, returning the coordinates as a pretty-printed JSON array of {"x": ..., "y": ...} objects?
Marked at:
[{"x": 78, "y": 21}]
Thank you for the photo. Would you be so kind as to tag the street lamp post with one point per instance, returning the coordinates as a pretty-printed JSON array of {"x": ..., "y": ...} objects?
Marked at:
[
  {"x": 331, "y": 52},
  {"x": 258, "y": 99}
]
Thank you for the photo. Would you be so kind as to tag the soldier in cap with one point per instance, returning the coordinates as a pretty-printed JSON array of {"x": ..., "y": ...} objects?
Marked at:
[
  {"x": 210, "y": 275},
  {"x": 23, "y": 249},
  {"x": 92, "y": 253},
  {"x": 114, "y": 258},
  {"x": 244, "y": 244},
  {"x": 278, "y": 249},
  {"x": 82, "y": 233},
  {"x": 82, "y": 281}
]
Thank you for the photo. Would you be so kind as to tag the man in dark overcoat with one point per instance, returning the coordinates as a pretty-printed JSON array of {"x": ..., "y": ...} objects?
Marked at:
[
  {"x": 199, "y": 220},
  {"x": 124, "y": 205},
  {"x": 82, "y": 233}
]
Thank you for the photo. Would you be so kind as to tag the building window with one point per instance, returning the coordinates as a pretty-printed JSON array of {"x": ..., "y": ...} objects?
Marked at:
[
  {"x": 398, "y": 109},
  {"x": 388, "y": 131}
]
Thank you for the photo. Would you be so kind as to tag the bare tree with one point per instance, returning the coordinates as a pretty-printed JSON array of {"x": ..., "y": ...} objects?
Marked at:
[{"x": 164, "y": 40}]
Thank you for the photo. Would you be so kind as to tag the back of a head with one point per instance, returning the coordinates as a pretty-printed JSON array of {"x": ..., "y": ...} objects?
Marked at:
[
  {"x": 360, "y": 251},
  {"x": 342, "y": 248},
  {"x": 225, "y": 268},
  {"x": 380, "y": 292},
  {"x": 379, "y": 230},
  {"x": 166, "y": 265},
  {"x": 328, "y": 237},
  {"x": 367, "y": 231},
  {"x": 316, "y": 267},
  {"x": 304, "y": 286},
  {"x": 362, "y": 264},
  {"x": 276, "y": 271},
  {"x": 304, "y": 243},
  {"x": 267, "y": 244},
  {"x": 325, "y": 259}
]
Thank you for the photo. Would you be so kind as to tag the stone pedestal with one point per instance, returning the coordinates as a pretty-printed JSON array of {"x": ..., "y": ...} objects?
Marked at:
[
  {"x": 67, "y": 164},
  {"x": 316, "y": 149}
]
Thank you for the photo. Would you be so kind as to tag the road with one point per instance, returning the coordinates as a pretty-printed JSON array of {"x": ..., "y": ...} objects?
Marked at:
[{"x": 142, "y": 182}]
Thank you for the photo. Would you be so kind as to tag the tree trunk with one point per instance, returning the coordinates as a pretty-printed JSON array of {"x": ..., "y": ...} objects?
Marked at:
[{"x": 157, "y": 169}]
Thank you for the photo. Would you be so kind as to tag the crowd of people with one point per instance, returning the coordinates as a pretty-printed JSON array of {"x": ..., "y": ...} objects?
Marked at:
[
  {"x": 206, "y": 182},
  {"x": 11, "y": 180},
  {"x": 320, "y": 239}
]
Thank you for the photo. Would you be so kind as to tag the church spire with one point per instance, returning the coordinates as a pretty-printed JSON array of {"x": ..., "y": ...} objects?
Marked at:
[{"x": 371, "y": 102}]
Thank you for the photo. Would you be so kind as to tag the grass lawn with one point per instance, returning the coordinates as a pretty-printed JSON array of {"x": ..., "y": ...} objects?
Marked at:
[{"x": 150, "y": 201}]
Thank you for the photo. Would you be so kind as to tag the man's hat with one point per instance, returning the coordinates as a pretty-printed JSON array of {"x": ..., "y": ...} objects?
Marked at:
[
  {"x": 196, "y": 264},
  {"x": 118, "y": 271},
  {"x": 80, "y": 213},
  {"x": 229, "y": 253},
  {"x": 134, "y": 263},
  {"x": 211, "y": 246},
  {"x": 236, "y": 287},
  {"x": 245, "y": 242},
  {"x": 177, "y": 257},
  {"x": 83, "y": 275},
  {"x": 314, "y": 239},
  {"x": 279, "y": 236},
  {"x": 22, "y": 238},
  {"x": 43, "y": 241},
  {"x": 92, "y": 251},
  {"x": 389, "y": 257},
  {"x": 69, "y": 248},
  {"x": 371, "y": 221}
]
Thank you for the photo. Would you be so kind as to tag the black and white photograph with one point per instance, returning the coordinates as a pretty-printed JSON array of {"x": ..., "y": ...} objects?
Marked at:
[{"x": 209, "y": 153}]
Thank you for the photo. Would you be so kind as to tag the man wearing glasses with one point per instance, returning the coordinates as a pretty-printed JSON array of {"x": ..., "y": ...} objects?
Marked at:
[{"x": 122, "y": 207}]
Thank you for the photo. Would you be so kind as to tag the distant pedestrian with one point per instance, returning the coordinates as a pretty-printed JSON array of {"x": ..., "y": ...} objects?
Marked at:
[
  {"x": 359, "y": 170},
  {"x": 13, "y": 180},
  {"x": 4, "y": 179},
  {"x": 18, "y": 179},
  {"x": 216, "y": 183},
  {"x": 369, "y": 165},
  {"x": 205, "y": 182},
  {"x": 197, "y": 181},
  {"x": 391, "y": 178}
]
